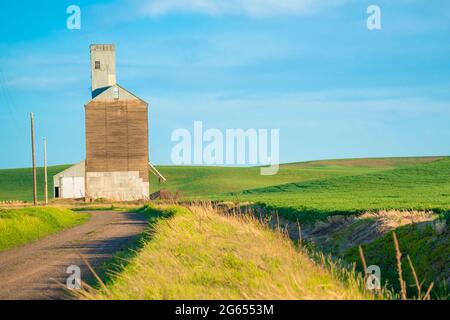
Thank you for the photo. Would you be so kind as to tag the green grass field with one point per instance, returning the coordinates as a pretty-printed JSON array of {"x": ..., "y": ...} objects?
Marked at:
[
  {"x": 200, "y": 182},
  {"x": 423, "y": 186},
  {"x": 213, "y": 182},
  {"x": 17, "y": 184},
  {"x": 316, "y": 189},
  {"x": 320, "y": 187},
  {"x": 200, "y": 254},
  {"x": 24, "y": 225}
]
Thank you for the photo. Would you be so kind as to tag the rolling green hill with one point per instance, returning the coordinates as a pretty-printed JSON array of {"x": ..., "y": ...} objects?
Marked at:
[
  {"x": 227, "y": 182},
  {"x": 17, "y": 184},
  {"x": 423, "y": 186},
  {"x": 210, "y": 182}
]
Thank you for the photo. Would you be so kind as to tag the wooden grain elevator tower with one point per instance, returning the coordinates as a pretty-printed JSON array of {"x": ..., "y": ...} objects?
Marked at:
[{"x": 116, "y": 134}]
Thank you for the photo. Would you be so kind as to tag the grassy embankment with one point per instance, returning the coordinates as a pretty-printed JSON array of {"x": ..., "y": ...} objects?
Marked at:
[
  {"x": 21, "y": 226},
  {"x": 428, "y": 249},
  {"x": 199, "y": 254}
]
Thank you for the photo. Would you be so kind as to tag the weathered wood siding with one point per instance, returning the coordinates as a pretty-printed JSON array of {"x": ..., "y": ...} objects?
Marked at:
[{"x": 117, "y": 136}]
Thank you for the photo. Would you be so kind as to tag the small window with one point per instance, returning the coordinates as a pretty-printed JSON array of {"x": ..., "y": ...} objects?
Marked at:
[
  {"x": 116, "y": 93},
  {"x": 97, "y": 64}
]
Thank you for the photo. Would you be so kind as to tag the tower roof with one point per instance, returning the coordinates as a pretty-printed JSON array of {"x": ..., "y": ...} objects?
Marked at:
[
  {"x": 116, "y": 93},
  {"x": 102, "y": 47}
]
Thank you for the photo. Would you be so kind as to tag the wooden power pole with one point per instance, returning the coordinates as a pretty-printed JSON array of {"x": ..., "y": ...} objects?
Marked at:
[
  {"x": 45, "y": 173},
  {"x": 33, "y": 156}
]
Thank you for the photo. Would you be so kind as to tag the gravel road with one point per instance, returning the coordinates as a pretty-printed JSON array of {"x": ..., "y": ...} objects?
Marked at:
[{"x": 38, "y": 270}]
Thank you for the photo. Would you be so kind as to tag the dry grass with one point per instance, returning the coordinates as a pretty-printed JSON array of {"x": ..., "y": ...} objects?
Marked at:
[
  {"x": 403, "y": 291},
  {"x": 201, "y": 254},
  {"x": 388, "y": 220},
  {"x": 339, "y": 233}
]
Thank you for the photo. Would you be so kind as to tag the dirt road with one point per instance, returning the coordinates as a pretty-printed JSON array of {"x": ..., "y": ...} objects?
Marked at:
[{"x": 37, "y": 270}]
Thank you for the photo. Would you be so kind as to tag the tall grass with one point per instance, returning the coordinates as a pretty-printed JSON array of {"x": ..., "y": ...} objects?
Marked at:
[
  {"x": 419, "y": 251},
  {"x": 197, "y": 253}
]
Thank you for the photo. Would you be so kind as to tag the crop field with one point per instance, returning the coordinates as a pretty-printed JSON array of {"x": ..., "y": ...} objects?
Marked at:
[
  {"x": 323, "y": 187},
  {"x": 17, "y": 184},
  {"x": 420, "y": 187},
  {"x": 301, "y": 189},
  {"x": 201, "y": 182}
]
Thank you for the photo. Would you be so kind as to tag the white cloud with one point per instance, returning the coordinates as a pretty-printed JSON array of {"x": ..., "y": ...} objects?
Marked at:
[{"x": 255, "y": 8}]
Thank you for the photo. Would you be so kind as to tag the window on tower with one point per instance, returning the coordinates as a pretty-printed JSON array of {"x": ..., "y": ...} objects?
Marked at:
[
  {"x": 97, "y": 64},
  {"x": 116, "y": 93}
]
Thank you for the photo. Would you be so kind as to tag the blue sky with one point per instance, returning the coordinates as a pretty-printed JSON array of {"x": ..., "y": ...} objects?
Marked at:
[{"x": 310, "y": 68}]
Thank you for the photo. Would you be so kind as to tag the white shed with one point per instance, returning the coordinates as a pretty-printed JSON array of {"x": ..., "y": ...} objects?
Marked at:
[{"x": 70, "y": 182}]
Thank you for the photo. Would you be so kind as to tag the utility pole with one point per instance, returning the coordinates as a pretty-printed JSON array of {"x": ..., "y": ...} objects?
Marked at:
[
  {"x": 45, "y": 173},
  {"x": 33, "y": 156}
]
